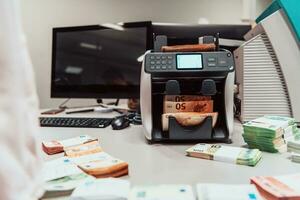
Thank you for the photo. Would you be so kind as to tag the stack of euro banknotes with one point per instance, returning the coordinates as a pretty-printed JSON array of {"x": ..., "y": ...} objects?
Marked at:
[
  {"x": 268, "y": 133},
  {"x": 188, "y": 110},
  {"x": 86, "y": 152},
  {"x": 293, "y": 146},
  {"x": 230, "y": 154}
]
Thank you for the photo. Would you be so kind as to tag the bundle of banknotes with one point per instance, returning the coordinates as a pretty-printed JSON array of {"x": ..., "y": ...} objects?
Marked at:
[
  {"x": 293, "y": 142},
  {"x": 58, "y": 146},
  {"x": 188, "y": 110},
  {"x": 293, "y": 146},
  {"x": 267, "y": 133},
  {"x": 236, "y": 155},
  {"x": 284, "y": 187},
  {"x": 86, "y": 153},
  {"x": 101, "y": 165}
]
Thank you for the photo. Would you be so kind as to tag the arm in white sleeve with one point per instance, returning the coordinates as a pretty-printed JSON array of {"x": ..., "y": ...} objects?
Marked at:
[{"x": 20, "y": 163}]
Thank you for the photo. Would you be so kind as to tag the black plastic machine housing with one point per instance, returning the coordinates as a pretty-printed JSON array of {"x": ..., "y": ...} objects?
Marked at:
[{"x": 207, "y": 79}]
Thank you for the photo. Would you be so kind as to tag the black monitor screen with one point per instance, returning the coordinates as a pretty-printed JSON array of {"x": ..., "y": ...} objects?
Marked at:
[{"x": 98, "y": 61}]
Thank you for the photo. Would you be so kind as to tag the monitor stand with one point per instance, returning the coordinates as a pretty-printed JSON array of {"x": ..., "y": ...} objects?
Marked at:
[{"x": 116, "y": 103}]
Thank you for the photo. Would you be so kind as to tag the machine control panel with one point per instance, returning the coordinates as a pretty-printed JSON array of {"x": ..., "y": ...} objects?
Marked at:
[{"x": 160, "y": 62}]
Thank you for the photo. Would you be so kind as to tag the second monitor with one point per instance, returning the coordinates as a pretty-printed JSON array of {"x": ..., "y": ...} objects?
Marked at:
[{"x": 99, "y": 61}]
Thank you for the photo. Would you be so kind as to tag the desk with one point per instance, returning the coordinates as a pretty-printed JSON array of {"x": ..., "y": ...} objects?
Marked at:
[{"x": 167, "y": 163}]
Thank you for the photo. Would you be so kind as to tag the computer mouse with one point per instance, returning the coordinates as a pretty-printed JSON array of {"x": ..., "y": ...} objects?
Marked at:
[{"x": 120, "y": 123}]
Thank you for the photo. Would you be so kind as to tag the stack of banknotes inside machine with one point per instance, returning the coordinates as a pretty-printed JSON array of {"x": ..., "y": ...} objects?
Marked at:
[{"x": 187, "y": 93}]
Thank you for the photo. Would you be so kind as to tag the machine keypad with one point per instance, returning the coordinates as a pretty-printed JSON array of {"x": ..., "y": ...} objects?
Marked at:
[
  {"x": 161, "y": 62},
  {"x": 166, "y": 62}
]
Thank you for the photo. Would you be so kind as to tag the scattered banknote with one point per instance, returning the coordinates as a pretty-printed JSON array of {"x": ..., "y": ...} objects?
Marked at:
[
  {"x": 83, "y": 149},
  {"x": 236, "y": 155},
  {"x": 181, "y": 98},
  {"x": 162, "y": 192},
  {"x": 59, "y": 168},
  {"x": 65, "y": 185},
  {"x": 267, "y": 133},
  {"x": 102, "y": 189},
  {"x": 188, "y": 106},
  {"x": 212, "y": 191},
  {"x": 57, "y": 146},
  {"x": 188, "y": 118},
  {"x": 284, "y": 187}
]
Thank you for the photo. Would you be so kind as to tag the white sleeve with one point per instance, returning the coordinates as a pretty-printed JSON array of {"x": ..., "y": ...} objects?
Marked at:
[{"x": 20, "y": 163}]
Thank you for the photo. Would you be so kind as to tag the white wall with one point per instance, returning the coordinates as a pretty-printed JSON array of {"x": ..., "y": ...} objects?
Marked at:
[{"x": 40, "y": 16}]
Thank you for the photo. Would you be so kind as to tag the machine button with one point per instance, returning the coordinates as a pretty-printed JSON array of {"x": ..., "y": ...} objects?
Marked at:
[
  {"x": 157, "y": 67},
  {"x": 211, "y": 59},
  {"x": 152, "y": 62},
  {"x": 169, "y": 57},
  {"x": 157, "y": 57},
  {"x": 223, "y": 63},
  {"x": 164, "y": 67},
  {"x": 158, "y": 62},
  {"x": 211, "y": 64},
  {"x": 163, "y": 57},
  {"x": 152, "y": 57},
  {"x": 170, "y": 62},
  {"x": 152, "y": 67},
  {"x": 163, "y": 62},
  {"x": 169, "y": 66}
]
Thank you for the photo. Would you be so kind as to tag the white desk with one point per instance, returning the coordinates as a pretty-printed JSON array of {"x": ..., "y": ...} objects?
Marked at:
[{"x": 167, "y": 163}]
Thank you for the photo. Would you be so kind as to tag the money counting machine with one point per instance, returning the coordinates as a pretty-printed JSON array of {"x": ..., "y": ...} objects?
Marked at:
[{"x": 187, "y": 73}]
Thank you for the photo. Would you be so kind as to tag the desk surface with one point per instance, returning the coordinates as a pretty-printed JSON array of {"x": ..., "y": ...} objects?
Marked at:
[{"x": 167, "y": 163}]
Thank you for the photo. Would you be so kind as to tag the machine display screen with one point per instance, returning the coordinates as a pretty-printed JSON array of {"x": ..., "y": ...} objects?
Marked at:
[{"x": 189, "y": 61}]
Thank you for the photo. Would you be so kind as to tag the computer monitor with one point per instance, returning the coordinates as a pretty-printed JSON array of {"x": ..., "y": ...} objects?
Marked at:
[{"x": 99, "y": 61}]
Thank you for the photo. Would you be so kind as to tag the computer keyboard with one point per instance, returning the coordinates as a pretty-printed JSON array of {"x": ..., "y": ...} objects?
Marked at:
[{"x": 75, "y": 122}]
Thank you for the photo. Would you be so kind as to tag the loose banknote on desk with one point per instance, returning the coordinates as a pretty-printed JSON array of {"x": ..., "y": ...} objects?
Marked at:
[
  {"x": 162, "y": 192},
  {"x": 285, "y": 187},
  {"x": 61, "y": 177},
  {"x": 102, "y": 189},
  {"x": 268, "y": 133},
  {"x": 211, "y": 191},
  {"x": 188, "y": 110},
  {"x": 236, "y": 155},
  {"x": 57, "y": 146}
]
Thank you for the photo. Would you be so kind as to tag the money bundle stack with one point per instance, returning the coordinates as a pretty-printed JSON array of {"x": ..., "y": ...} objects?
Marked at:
[
  {"x": 101, "y": 165},
  {"x": 284, "y": 187},
  {"x": 293, "y": 145},
  {"x": 293, "y": 142},
  {"x": 188, "y": 110},
  {"x": 86, "y": 153},
  {"x": 236, "y": 155},
  {"x": 267, "y": 133},
  {"x": 58, "y": 146},
  {"x": 91, "y": 159}
]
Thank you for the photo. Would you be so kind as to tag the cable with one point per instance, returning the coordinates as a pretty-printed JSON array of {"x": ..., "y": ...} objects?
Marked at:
[{"x": 62, "y": 105}]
